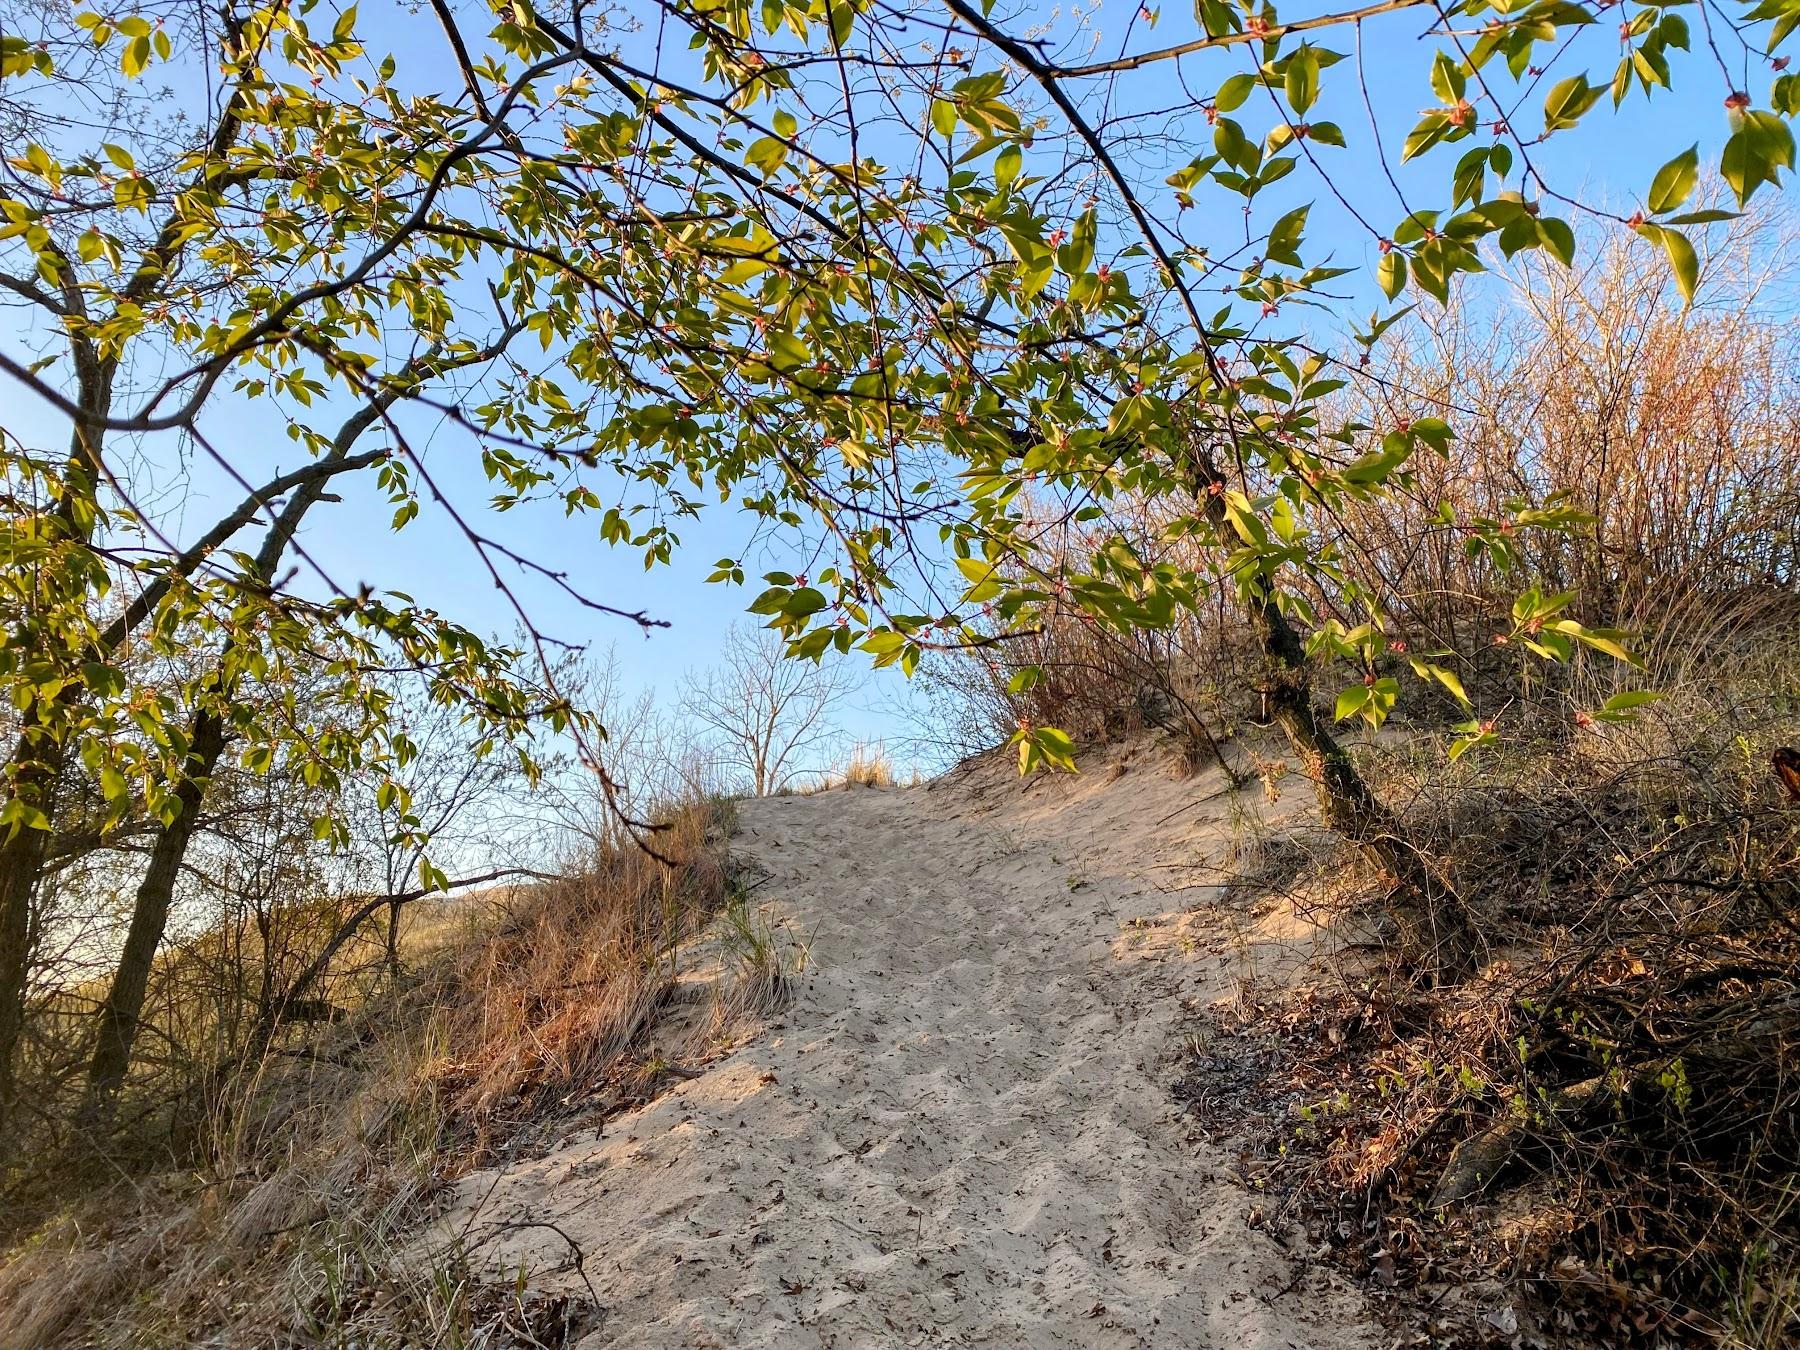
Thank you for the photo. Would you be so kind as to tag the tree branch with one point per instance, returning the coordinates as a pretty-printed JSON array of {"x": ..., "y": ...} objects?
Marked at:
[{"x": 1234, "y": 39}]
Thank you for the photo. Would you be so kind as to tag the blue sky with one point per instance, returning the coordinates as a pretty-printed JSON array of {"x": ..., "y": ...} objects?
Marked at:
[{"x": 1610, "y": 157}]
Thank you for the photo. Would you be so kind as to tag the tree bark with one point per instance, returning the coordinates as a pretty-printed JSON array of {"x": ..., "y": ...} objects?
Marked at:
[
  {"x": 37, "y": 759},
  {"x": 21, "y": 862},
  {"x": 124, "y": 1004},
  {"x": 1436, "y": 929}
]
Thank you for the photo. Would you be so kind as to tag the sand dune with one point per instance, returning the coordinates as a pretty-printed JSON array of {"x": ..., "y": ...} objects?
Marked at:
[{"x": 960, "y": 1132}]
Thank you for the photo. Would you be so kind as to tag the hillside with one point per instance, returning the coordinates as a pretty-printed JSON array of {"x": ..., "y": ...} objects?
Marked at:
[{"x": 961, "y": 1130}]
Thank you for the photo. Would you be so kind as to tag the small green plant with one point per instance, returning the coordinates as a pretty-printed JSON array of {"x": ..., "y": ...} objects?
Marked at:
[
  {"x": 1765, "y": 1304},
  {"x": 763, "y": 960}
]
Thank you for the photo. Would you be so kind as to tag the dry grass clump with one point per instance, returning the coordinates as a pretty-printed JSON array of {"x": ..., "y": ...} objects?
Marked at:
[
  {"x": 296, "y": 1223},
  {"x": 577, "y": 968},
  {"x": 1610, "y": 1110},
  {"x": 869, "y": 766}
]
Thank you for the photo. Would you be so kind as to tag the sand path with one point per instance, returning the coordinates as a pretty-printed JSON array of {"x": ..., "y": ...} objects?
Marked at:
[{"x": 961, "y": 1131}]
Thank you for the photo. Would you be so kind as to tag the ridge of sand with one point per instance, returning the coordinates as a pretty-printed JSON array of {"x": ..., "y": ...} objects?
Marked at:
[{"x": 961, "y": 1131}]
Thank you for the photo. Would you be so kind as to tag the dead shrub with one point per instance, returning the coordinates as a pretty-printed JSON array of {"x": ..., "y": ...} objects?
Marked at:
[
  {"x": 1100, "y": 685},
  {"x": 1675, "y": 431}
]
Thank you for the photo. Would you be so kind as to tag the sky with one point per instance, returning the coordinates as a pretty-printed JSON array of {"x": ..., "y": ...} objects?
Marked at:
[{"x": 1614, "y": 159}]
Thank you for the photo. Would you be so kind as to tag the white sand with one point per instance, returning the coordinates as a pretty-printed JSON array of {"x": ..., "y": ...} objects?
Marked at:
[{"x": 961, "y": 1132}]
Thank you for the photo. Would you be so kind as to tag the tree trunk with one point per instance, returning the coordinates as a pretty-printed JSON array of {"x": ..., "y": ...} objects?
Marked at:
[
  {"x": 36, "y": 766},
  {"x": 124, "y": 1004},
  {"x": 1437, "y": 931},
  {"x": 21, "y": 863}
]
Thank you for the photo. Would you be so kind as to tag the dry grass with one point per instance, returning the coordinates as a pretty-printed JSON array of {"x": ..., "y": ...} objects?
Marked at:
[
  {"x": 572, "y": 998},
  {"x": 576, "y": 969},
  {"x": 868, "y": 766}
]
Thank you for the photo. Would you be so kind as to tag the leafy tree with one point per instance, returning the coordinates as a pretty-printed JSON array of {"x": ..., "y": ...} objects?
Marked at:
[{"x": 882, "y": 276}]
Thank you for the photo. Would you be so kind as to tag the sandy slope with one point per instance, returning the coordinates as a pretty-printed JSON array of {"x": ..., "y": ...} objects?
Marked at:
[{"x": 961, "y": 1131}]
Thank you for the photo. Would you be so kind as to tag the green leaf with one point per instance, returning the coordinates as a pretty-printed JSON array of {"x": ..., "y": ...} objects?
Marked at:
[
  {"x": 1058, "y": 748},
  {"x": 1449, "y": 681},
  {"x": 1301, "y": 81},
  {"x": 1600, "y": 639},
  {"x": 767, "y": 154},
  {"x": 803, "y": 603},
  {"x": 1234, "y": 147},
  {"x": 1233, "y": 92},
  {"x": 787, "y": 352},
  {"x": 1025, "y": 679},
  {"x": 1683, "y": 260},
  {"x": 1432, "y": 128},
  {"x": 1760, "y": 147},
  {"x": 1044, "y": 745},
  {"x": 1447, "y": 80},
  {"x": 1390, "y": 272},
  {"x": 983, "y": 578},
  {"x": 1674, "y": 181},
  {"x": 1006, "y": 166},
  {"x": 842, "y": 16},
  {"x": 1462, "y": 744},
  {"x": 135, "y": 57},
  {"x": 1567, "y": 103},
  {"x": 1285, "y": 236},
  {"x": 1470, "y": 177},
  {"x": 1558, "y": 238}
]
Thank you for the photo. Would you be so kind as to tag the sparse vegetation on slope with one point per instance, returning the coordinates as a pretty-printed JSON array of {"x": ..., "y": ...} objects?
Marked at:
[
  {"x": 1606, "y": 1113},
  {"x": 295, "y": 1220}
]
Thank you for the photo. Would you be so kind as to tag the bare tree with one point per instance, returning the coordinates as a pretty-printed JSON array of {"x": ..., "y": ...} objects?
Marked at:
[
  {"x": 460, "y": 809},
  {"x": 653, "y": 763},
  {"x": 770, "y": 718}
]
